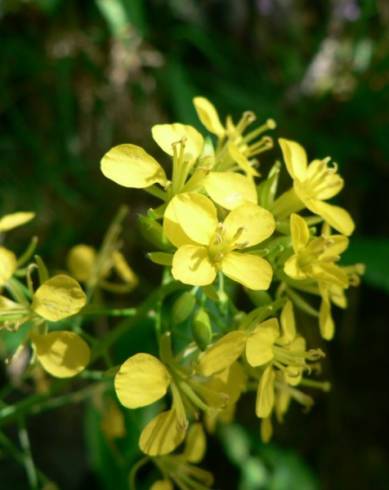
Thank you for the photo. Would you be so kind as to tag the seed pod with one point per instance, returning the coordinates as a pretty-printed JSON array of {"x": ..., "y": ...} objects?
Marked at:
[
  {"x": 183, "y": 307},
  {"x": 202, "y": 329}
]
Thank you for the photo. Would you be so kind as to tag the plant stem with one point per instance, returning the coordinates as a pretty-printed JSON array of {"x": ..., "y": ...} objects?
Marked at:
[{"x": 27, "y": 456}]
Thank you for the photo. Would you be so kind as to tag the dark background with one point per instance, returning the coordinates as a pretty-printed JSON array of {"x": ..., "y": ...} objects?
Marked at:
[{"x": 79, "y": 77}]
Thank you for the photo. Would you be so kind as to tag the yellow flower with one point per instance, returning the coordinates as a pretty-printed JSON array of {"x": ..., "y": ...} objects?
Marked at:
[
  {"x": 313, "y": 184},
  {"x": 234, "y": 148},
  {"x": 206, "y": 246},
  {"x": 85, "y": 264},
  {"x": 179, "y": 468},
  {"x": 62, "y": 354},
  {"x": 315, "y": 258}
]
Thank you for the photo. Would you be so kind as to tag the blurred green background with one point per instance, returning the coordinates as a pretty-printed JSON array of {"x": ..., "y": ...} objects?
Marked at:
[{"x": 77, "y": 77}]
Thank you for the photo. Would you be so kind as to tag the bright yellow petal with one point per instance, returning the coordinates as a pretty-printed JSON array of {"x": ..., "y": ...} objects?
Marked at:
[
  {"x": 223, "y": 353},
  {"x": 248, "y": 225},
  {"x": 10, "y": 221},
  {"x": 58, "y": 297},
  {"x": 288, "y": 324},
  {"x": 81, "y": 261},
  {"x": 62, "y": 354},
  {"x": 242, "y": 161},
  {"x": 191, "y": 265},
  {"x": 141, "y": 380},
  {"x": 130, "y": 166},
  {"x": 171, "y": 227},
  {"x": 299, "y": 231},
  {"x": 249, "y": 270},
  {"x": 196, "y": 443},
  {"x": 235, "y": 380},
  {"x": 8, "y": 265},
  {"x": 229, "y": 189},
  {"x": 295, "y": 158},
  {"x": 292, "y": 268},
  {"x": 327, "y": 184},
  {"x": 208, "y": 116},
  {"x": 337, "y": 244},
  {"x": 326, "y": 322},
  {"x": 166, "y": 135},
  {"x": 162, "y": 434},
  {"x": 265, "y": 394},
  {"x": 259, "y": 346},
  {"x": 196, "y": 215},
  {"x": 335, "y": 216}
]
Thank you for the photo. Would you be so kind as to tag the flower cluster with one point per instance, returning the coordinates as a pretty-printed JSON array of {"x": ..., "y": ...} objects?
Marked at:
[
  {"x": 221, "y": 224},
  {"x": 246, "y": 262}
]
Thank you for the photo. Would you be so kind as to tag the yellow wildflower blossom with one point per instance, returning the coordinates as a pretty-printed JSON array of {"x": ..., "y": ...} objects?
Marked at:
[
  {"x": 313, "y": 184},
  {"x": 8, "y": 265},
  {"x": 206, "y": 246}
]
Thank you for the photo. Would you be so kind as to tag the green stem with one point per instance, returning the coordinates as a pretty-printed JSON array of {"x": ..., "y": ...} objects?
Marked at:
[
  {"x": 27, "y": 456},
  {"x": 95, "y": 310},
  {"x": 141, "y": 312}
]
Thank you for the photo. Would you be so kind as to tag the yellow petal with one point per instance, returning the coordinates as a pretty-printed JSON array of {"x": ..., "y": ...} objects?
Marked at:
[
  {"x": 223, "y": 353},
  {"x": 265, "y": 394},
  {"x": 162, "y": 434},
  {"x": 299, "y": 231},
  {"x": 123, "y": 269},
  {"x": 172, "y": 229},
  {"x": 241, "y": 160},
  {"x": 235, "y": 380},
  {"x": 196, "y": 443},
  {"x": 337, "y": 244},
  {"x": 62, "y": 354},
  {"x": 292, "y": 268},
  {"x": 81, "y": 261},
  {"x": 141, "y": 380},
  {"x": 8, "y": 265},
  {"x": 288, "y": 324},
  {"x": 295, "y": 158},
  {"x": 249, "y": 270},
  {"x": 259, "y": 346},
  {"x": 130, "y": 166},
  {"x": 335, "y": 216},
  {"x": 195, "y": 214},
  {"x": 229, "y": 189},
  {"x": 166, "y": 135},
  {"x": 249, "y": 225},
  {"x": 208, "y": 116},
  {"x": 58, "y": 297},
  {"x": 327, "y": 185},
  {"x": 191, "y": 265},
  {"x": 326, "y": 322},
  {"x": 162, "y": 485},
  {"x": 10, "y": 221}
]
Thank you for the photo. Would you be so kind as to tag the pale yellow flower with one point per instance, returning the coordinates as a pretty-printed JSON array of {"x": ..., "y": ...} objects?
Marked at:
[{"x": 206, "y": 246}]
